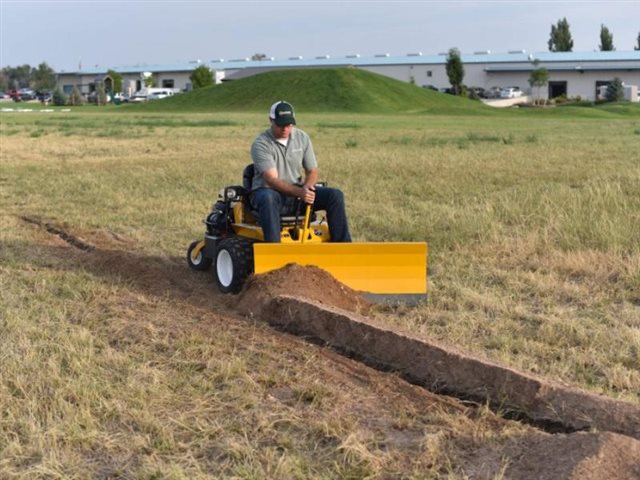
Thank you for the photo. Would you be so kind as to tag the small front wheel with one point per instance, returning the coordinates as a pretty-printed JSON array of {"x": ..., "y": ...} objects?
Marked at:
[
  {"x": 196, "y": 258},
  {"x": 234, "y": 263}
]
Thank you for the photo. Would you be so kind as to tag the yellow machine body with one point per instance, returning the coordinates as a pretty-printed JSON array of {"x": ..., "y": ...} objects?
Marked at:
[{"x": 381, "y": 270}]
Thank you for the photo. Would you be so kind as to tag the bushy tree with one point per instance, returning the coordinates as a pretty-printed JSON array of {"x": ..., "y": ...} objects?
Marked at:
[
  {"x": 606, "y": 39},
  {"x": 75, "y": 98},
  {"x": 17, "y": 77},
  {"x": 637, "y": 47},
  {"x": 101, "y": 95},
  {"x": 149, "y": 82},
  {"x": 41, "y": 78},
  {"x": 560, "y": 38},
  {"x": 538, "y": 78},
  {"x": 201, "y": 77},
  {"x": 59, "y": 98},
  {"x": 117, "y": 80},
  {"x": 258, "y": 56},
  {"x": 44, "y": 77},
  {"x": 455, "y": 70},
  {"x": 615, "y": 90}
]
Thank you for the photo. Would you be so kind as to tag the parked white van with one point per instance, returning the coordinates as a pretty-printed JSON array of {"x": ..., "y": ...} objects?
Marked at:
[
  {"x": 153, "y": 93},
  {"x": 510, "y": 92},
  {"x": 156, "y": 95}
]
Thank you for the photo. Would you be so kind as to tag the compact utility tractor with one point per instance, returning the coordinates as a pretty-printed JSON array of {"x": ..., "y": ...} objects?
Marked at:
[{"x": 233, "y": 241}]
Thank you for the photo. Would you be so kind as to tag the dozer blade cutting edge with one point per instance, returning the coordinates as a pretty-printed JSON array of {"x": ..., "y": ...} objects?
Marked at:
[{"x": 382, "y": 270}]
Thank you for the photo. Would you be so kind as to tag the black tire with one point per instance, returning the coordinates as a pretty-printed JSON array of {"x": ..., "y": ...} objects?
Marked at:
[
  {"x": 233, "y": 263},
  {"x": 199, "y": 262}
]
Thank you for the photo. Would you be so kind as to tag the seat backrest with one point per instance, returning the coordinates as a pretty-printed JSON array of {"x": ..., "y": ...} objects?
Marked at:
[
  {"x": 291, "y": 212},
  {"x": 247, "y": 176}
]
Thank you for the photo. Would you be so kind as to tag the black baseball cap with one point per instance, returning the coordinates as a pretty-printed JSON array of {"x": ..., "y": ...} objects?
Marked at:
[{"x": 282, "y": 113}]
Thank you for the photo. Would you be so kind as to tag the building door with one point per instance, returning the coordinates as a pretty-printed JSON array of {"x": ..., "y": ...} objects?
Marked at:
[{"x": 557, "y": 89}]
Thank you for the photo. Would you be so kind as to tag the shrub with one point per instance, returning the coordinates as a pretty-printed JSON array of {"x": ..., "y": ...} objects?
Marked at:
[
  {"x": 101, "y": 95},
  {"x": 615, "y": 90},
  {"x": 201, "y": 77},
  {"x": 59, "y": 98},
  {"x": 75, "y": 98}
]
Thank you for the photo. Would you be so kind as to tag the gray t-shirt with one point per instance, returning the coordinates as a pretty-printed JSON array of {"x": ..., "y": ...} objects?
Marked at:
[{"x": 289, "y": 160}]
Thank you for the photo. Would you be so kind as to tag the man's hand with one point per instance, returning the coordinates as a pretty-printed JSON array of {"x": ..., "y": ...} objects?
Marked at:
[{"x": 308, "y": 194}]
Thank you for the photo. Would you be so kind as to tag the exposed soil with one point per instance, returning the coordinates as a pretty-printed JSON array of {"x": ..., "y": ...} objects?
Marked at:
[
  {"x": 378, "y": 398},
  {"x": 579, "y": 456},
  {"x": 308, "y": 282}
]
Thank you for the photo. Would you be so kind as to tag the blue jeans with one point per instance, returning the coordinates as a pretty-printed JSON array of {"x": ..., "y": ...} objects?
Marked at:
[{"x": 269, "y": 204}]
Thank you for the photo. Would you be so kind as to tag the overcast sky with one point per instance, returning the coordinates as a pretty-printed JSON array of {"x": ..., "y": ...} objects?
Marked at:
[{"x": 120, "y": 33}]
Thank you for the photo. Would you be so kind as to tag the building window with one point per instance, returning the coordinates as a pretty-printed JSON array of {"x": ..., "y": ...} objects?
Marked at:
[
  {"x": 168, "y": 83},
  {"x": 429, "y": 73},
  {"x": 67, "y": 89}
]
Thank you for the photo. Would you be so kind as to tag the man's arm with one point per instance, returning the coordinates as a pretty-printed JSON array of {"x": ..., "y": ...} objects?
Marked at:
[
  {"x": 306, "y": 192},
  {"x": 311, "y": 178}
]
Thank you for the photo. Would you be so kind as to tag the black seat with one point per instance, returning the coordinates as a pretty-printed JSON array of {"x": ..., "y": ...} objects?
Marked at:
[
  {"x": 290, "y": 211},
  {"x": 247, "y": 176}
]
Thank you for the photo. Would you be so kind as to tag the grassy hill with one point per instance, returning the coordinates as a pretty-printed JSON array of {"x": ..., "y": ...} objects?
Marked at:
[{"x": 317, "y": 90}]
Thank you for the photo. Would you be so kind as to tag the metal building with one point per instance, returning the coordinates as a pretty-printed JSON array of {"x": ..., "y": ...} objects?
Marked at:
[{"x": 572, "y": 74}]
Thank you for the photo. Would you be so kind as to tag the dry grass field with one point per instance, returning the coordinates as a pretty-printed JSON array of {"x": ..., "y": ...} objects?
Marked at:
[{"x": 118, "y": 362}]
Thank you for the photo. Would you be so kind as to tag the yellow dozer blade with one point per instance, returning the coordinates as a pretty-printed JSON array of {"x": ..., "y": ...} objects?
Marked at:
[{"x": 384, "y": 271}]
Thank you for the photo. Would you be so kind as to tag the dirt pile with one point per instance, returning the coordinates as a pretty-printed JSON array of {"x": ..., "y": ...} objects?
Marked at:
[{"x": 308, "y": 282}]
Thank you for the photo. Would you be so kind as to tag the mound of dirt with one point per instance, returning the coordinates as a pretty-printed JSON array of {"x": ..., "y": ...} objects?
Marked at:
[{"x": 312, "y": 283}]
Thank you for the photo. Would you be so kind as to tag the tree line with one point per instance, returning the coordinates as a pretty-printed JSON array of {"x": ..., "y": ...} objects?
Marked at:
[
  {"x": 560, "y": 38},
  {"x": 40, "y": 78}
]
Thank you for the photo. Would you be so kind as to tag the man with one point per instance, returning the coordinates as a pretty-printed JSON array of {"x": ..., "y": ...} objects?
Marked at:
[{"x": 279, "y": 155}]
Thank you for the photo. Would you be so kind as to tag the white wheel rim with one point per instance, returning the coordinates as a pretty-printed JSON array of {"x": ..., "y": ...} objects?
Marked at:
[
  {"x": 197, "y": 259},
  {"x": 224, "y": 268}
]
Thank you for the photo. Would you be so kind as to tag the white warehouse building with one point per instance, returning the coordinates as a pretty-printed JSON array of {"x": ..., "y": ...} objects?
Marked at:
[{"x": 571, "y": 74}]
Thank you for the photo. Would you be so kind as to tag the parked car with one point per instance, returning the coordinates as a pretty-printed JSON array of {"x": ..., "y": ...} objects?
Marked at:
[
  {"x": 476, "y": 92},
  {"x": 27, "y": 94},
  {"x": 138, "y": 97},
  {"x": 157, "y": 95},
  {"x": 493, "y": 92},
  {"x": 44, "y": 97},
  {"x": 4, "y": 96},
  {"x": 510, "y": 92},
  {"x": 121, "y": 97},
  {"x": 22, "y": 95}
]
